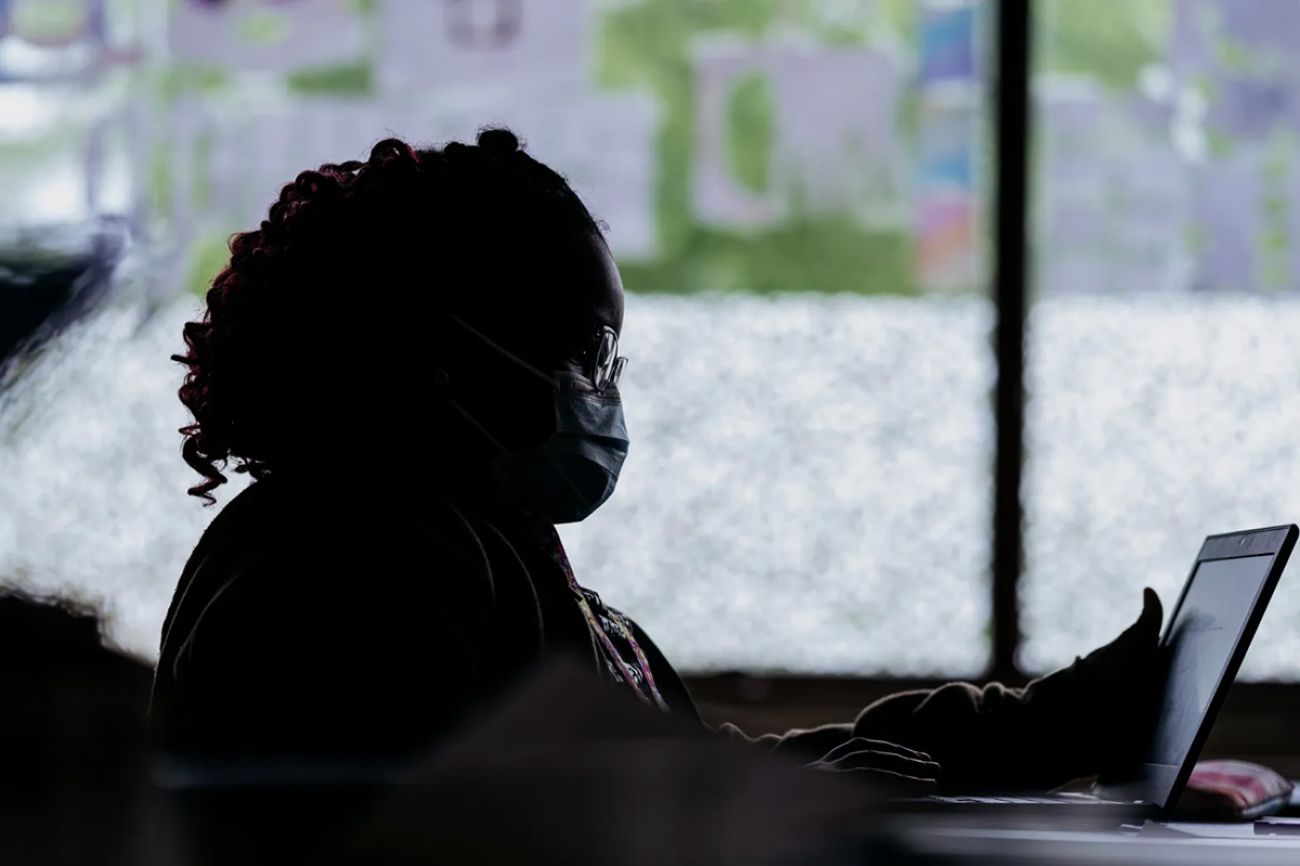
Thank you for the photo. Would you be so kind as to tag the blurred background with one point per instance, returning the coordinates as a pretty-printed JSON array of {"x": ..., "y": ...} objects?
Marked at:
[{"x": 797, "y": 192}]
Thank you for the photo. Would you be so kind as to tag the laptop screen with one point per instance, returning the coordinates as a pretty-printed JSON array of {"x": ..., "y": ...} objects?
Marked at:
[{"x": 1200, "y": 643}]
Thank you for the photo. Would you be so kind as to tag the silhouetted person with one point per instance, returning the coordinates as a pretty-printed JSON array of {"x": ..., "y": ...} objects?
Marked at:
[
  {"x": 73, "y": 774},
  {"x": 416, "y": 358}
]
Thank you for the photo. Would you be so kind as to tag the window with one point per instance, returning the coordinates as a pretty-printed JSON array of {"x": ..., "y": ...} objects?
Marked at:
[
  {"x": 1162, "y": 354},
  {"x": 810, "y": 396},
  {"x": 795, "y": 193}
]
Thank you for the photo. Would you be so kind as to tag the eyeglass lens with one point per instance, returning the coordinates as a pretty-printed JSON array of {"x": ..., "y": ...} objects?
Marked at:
[{"x": 608, "y": 366}]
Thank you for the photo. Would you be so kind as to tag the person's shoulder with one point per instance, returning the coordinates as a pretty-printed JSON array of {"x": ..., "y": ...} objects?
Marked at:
[
  {"x": 243, "y": 513},
  {"x": 290, "y": 511},
  {"x": 351, "y": 536}
]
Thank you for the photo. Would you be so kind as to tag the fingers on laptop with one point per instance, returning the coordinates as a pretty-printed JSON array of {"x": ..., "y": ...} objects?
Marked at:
[
  {"x": 898, "y": 784},
  {"x": 884, "y": 761},
  {"x": 889, "y": 762},
  {"x": 863, "y": 744}
]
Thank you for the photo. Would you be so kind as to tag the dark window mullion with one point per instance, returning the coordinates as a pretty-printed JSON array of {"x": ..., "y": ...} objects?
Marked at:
[{"x": 1010, "y": 283}]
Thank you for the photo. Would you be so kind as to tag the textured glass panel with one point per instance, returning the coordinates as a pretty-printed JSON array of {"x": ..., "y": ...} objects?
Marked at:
[
  {"x": 795, "y": 499},
  {"x": 808, "y": 484},
  {"x": 1163, "y": 355},
  {"x": 93, "y": 503}
]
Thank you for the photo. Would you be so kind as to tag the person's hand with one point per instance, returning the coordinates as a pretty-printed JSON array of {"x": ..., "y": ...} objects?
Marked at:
[
  {"x": 897, "y": 769},
  {"x": 1127, "y": 658},
  {"x": 1116, "y": 692}
]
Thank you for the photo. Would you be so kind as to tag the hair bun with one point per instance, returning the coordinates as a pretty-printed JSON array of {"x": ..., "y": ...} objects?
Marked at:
[{"x": 498, "y": 142}]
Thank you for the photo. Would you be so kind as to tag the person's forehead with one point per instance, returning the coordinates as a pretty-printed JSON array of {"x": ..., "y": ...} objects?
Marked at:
[
  {"x": 580, "y": 292},
  {"x": 599, "y": 286}
]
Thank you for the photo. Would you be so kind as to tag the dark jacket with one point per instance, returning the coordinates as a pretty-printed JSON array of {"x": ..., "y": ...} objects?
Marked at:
[
  {"x": 357, "y": 623},
  {"x": 367, "y": 624}
]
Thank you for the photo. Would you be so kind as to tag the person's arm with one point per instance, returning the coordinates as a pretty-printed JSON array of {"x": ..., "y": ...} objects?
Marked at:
[
  {"x": 828, "y": 747},
  {"x": 807, "y": 743},
  {"x": 1079, "y": 721},
  {"x": 886, "y": 765}
]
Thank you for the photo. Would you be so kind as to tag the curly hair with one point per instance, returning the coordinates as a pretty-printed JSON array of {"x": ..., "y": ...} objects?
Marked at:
[{"x": 330, "y": 310}]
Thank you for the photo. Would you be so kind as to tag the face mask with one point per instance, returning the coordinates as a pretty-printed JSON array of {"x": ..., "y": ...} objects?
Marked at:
[{"x": 572, "y": 473}]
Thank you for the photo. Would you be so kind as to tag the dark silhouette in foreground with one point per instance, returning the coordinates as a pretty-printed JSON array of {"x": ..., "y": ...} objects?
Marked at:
[{"x": 72, "y": 738}]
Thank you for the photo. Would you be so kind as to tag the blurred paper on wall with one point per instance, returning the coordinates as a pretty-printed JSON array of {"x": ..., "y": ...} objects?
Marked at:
[{"x": 266, "y": 36}]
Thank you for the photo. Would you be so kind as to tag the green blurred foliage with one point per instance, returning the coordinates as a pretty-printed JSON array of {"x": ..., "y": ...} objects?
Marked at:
[
  {"x": 45, "y": 19},
  {"x": 1110, "y": 40},
  {"x": 263, "y": 26},
  {"x": 900, "y": 15},
  {"x": 160, "y": 183},
  {"x": 170, "y": 83},
  {"x": 201, "y": 177},
  {"x": 819, "y": 253},
  {"x": 750, "y": 131},
  {"x": 344, "y": 79},
  {"x": 648, "y": 44},
  {"x": 208, "y": 256}
]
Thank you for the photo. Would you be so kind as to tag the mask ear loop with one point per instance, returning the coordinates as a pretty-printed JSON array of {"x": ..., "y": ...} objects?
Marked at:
[
  {"x": 443, "y": 380},
  {"x": 550, "y": 380},
  {"x": 475, "y": 423},
  {"x": 442, "y": 383}
]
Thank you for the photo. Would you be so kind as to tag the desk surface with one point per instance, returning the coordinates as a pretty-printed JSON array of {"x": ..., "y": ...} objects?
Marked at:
[{"x": 1152, "y": 843}]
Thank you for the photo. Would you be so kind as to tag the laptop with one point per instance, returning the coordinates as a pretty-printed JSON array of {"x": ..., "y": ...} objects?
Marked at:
[{"x": 1204, "y": 642}]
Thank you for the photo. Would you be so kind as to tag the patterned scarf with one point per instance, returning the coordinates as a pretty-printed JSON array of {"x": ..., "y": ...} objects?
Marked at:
[{"x": 612, "y": 630}]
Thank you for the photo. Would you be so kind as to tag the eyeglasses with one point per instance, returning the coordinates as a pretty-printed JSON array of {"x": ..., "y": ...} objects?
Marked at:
[{"x": 601, "y": 361}]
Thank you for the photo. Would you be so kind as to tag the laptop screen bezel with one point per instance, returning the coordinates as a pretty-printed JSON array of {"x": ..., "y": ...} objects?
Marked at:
[{"x": 1162, "y": 784}]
